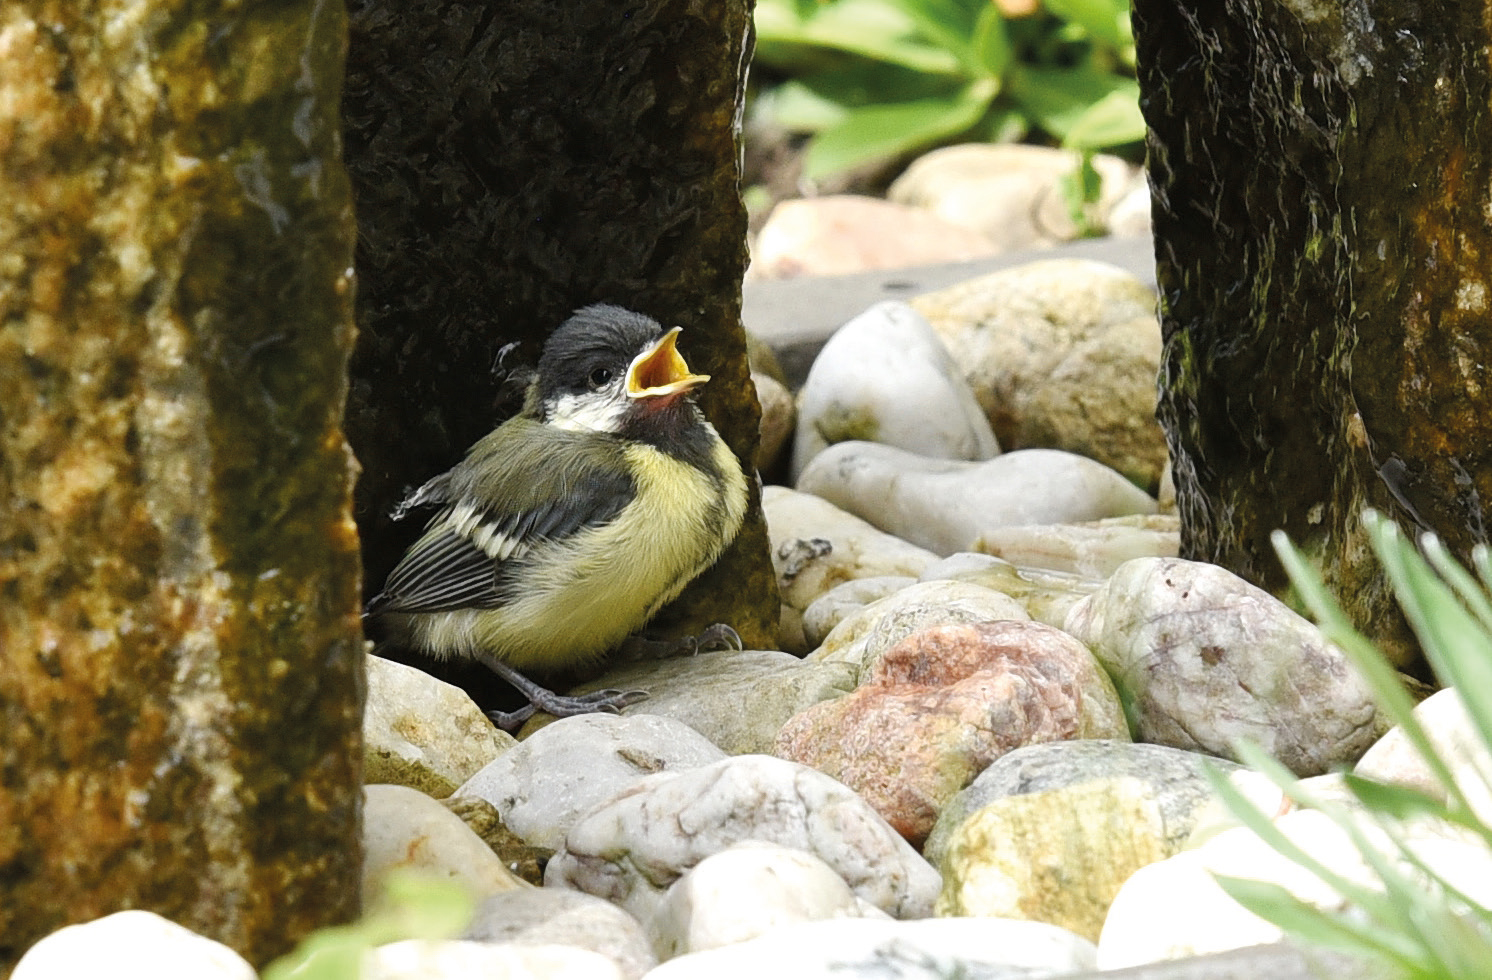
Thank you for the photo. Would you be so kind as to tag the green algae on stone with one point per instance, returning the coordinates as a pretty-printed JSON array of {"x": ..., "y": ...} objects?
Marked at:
[
  {"x": 513, "y": 162},
  {"x": 1322, "y": 204},
  {"x": 178, "y": 564}
]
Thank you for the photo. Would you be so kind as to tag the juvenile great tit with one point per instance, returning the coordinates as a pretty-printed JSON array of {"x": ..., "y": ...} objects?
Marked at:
[{"x": 566, "y": 528}]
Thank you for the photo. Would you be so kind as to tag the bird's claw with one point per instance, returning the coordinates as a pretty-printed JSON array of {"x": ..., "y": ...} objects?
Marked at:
[
  {"x": 717, "y": 637},
  {"x": 611, "y": 701}
]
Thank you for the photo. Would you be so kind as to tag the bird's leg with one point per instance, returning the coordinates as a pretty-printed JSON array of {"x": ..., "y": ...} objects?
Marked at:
[
  {"x": 716, "y": 637},
  {"x": 559, "y": 705}
]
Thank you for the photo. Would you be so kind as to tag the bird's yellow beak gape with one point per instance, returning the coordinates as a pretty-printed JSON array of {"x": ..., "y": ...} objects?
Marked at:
[{"x": 660, "y": 370}]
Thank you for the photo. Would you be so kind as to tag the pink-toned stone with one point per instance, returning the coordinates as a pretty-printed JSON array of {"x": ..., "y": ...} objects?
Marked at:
[
  {"x": 841, "y": 234},
  {"x": 942, "y": 705}
]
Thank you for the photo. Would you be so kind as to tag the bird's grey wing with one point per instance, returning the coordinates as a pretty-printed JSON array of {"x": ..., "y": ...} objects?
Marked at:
[
  {"x": 468, "y": 555},
  {"x": 443, "y": 571}
]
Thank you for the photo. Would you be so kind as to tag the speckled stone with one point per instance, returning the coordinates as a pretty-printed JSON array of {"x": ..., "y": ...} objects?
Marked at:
[
  {"x": 1012, "y": 328},
  {"x": 182, "y": 659},
  {"x": 1207, "y": 660},
  {"x": 630, "y": 850},
  {"x": 943, "y": 704}
]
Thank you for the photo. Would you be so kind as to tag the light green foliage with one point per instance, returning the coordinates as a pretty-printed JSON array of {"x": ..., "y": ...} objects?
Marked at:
[
  {"x": 1416, "y": 923},
  {"x": 875, "y": 78},
  {"x": 413, "y": 907}
]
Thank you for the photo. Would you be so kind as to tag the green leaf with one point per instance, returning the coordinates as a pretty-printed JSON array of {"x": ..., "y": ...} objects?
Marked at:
[
  {"x": 1276, "y": 904},
  {"x": 1391, "y": 800},
  {"x": 1106, "y": 21},
  {"x": 1370, "y": 900},
  {"x": 1057, "y": 98},
  {"x": 1454, "y": 643},
  {"x": 879, "y": 131},
  {"x": 1384, "y": 683},
  {"x": 799, "y": 108},
  {"x": 992, "y": 51},
  {"x": 1081, "y": 188},
  {"x": 870, "y": 28},
  {"x": 949, "y": 24},
  {"x": 413, "y": 906},
  {"x": 1113, "y": 120}
]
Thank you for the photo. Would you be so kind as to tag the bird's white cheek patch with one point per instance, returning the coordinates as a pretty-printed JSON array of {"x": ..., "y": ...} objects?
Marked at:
[{"x": 579, "y": 414}]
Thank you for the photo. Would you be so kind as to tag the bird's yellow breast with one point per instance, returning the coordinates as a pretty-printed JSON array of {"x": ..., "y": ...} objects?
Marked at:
[{"x": 586, "y": 594}]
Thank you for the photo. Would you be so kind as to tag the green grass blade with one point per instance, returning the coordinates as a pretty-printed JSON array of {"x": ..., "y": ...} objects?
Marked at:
[
  {"x": 1275, "y": 904},
  {"x": 1370, "y": 900},
  {"x": 1382, "y": 680}
]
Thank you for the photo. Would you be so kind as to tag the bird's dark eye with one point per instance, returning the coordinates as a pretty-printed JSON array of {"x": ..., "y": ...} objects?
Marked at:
[{"x": 600, "y": 378}]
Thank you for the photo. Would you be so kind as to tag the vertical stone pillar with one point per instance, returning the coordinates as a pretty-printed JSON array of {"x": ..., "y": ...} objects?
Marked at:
[
  {"x": 180, "y": 652},
  {"x": 1323, "y": 221},
  {"x": 515, "y": 161}
]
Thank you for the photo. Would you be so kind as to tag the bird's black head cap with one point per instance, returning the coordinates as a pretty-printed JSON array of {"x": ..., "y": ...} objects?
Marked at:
[{"x": 595, "y": 338}]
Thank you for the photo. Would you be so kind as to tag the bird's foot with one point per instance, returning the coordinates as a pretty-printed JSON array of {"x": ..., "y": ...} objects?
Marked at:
[
  {"x": 610, "y": 701},
  {"x": 540, "y": 698},
  {"x": 716, "y": 637}
]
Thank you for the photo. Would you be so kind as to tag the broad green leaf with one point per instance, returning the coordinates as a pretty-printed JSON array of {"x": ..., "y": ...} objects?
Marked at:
[
  {"x": 879, "y": 131},
  {"x": 874, "y": 29},
  {"x": 413, "y": 906},
  {"x": 799, "y": 108},
  {"x": 1057, "y": 98},
  {"x": 950, "y": 24},
  {"x": 860, "y": 82},
  {"x": 992, "y": 51},
  {"x": 1113, "y": 120},
  {"x": 1106, "y": 21}
]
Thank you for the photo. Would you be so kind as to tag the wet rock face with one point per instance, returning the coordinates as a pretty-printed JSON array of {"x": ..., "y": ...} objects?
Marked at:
[
  {"x": 513, "y": 162},
  {"x": 180, "y": 653},
  {"x": 1321, "y": 218}
]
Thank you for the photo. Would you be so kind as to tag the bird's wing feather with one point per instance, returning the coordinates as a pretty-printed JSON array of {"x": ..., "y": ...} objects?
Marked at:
[{"x": 515, "y": 490}]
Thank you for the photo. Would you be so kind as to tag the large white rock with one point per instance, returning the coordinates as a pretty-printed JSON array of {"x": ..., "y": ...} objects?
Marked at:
[
  {"x": 1394, "y": 759},
  {"x": 460, "y": 959},
  {"x": 423, "y": 733},
  {"x": 1010, "y": 192},
  {"x": 562, "y": 917},
  {"x": 1174, "y": 779},
  {"x": 1012, "y": 330},
  {"x": 132, "y": 945},
  {"x": 947, "y": 506},
  {"x": 837, "y": 949},
  {"x": 886, "y": 377},
  {"x": 403, "y": 829},
  {"x": 1175, "y": 908},
  {"x": 1208, "y": 659},
  {"x": 1057, "y": 855},
  {"x": 630, "y": 850},
  {"x": 862, "y": 637},
  {"x": 746, "y": 890},
  {"x": 816, "y": 546},
  {"x": 706, "y": 692},
  {"x": 835, "y": 234},
  {"x": 566, "y": 768}
]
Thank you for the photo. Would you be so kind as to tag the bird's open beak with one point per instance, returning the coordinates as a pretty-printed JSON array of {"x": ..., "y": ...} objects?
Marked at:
[{"x": 660, "y": 371}]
